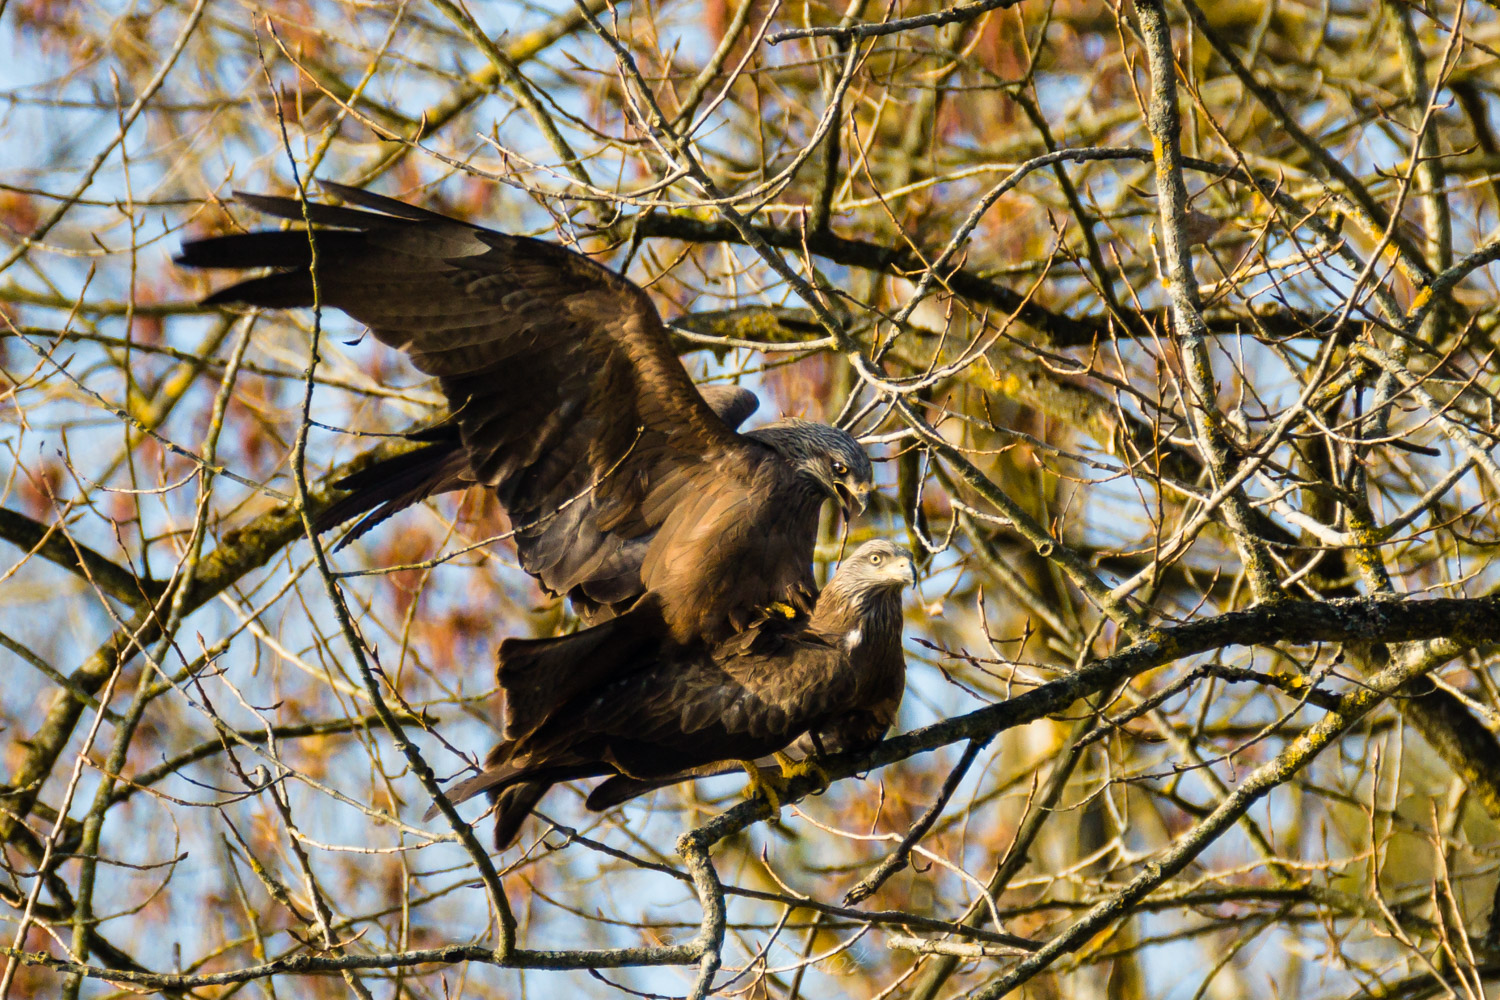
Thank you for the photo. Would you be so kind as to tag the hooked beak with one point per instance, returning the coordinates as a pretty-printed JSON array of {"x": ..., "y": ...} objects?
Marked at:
[
  {"x": 910, "y": 577},
  {"x": 853, "y": 497}
]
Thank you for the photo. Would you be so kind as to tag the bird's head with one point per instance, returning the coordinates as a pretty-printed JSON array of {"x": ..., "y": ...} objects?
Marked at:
[
  {"x": 829, "y": 458},
  {"x": 877, "y": 565},
  {"x": 862, "y": 603}
]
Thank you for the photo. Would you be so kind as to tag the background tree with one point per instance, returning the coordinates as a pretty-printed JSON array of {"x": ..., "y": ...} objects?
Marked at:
[{"x": 1171, "y": 326}]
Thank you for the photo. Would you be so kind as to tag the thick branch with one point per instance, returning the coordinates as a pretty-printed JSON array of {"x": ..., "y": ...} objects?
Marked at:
[
  {"x": 1463, "y": 621},
  {"x": 1200, "y": 399},
  {"x": 53, "y": 544},
  {"x": 948, "y": 15}
]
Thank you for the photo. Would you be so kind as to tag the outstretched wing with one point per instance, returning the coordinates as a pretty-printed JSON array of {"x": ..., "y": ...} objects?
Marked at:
[
  {"x": 441, "y": 464},
  {"x": 567, "y": 397}
]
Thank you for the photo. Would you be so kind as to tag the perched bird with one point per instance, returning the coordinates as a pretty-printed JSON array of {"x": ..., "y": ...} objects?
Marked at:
[
  {"x": 565, "y": 397},
  {"x": 834, "y": 677}
]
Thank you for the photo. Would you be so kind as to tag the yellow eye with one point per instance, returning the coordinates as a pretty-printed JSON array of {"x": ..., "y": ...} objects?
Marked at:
[
  {"x": 839, "y": 468},
  {"x": 876, "y": 559}
]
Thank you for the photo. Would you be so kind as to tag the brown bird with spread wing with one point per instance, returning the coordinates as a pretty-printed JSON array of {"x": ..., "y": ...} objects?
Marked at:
[
  {"x": 834, "y": 677},
  {"x": 566, "y": 398}
]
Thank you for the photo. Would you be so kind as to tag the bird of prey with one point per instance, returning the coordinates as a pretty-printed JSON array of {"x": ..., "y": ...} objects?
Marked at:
[
  {"x": 833, "y": 677},
  {"x": 565, "y": 397}
]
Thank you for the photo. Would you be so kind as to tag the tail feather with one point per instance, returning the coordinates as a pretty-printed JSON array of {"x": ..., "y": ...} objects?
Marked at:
[
  {"x": 339, "y": 216},
  {"x": 514, "y": 798},
  {"x": 540, "y": 675},
  {"x": 621, "y": 788},
  {"x": 492, "y": 777},
  {"x": 274, "y": 291},
  {"x": 512, "y": 806}
]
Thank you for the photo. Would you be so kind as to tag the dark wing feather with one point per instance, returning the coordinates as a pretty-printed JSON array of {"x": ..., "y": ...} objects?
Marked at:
[
  {"x": 674, "y": 714},
  {"x": 863, "y": 725},
  {"x": 442, "y": 465},
  {"x": 398, "y": 482},
  {"x": 512, "y": 806},
  {"x": 618, "y": 788},
  {"x": 566, "y": 394},
  {"x": 687, "y": 712},
  {"x": 681, "y": 714}
]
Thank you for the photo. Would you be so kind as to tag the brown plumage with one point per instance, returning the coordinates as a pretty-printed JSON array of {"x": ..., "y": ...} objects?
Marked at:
[
  {"x": 834, "y": 676},
  {"x": 567, "y": 400}
]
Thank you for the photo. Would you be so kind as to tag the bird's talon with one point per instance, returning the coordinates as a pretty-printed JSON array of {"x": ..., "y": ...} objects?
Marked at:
[
  {"x": 773, "y": 788},
  {"x": 806, "y": 767}
]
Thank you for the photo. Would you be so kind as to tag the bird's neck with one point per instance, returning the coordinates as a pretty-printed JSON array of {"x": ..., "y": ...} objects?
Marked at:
[
  {"x": 875, "y": 614},
  {"x": 806, "y": 492},
  {"x": 801, "y": 499}
]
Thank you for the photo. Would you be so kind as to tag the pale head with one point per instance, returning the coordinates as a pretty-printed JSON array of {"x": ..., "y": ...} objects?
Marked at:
[{"x": 876, "y": 565}]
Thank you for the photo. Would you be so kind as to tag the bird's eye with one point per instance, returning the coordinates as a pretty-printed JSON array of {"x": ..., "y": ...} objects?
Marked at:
[
  {"x": 839, "y": 468},
  {"x": 876, "y": 559}
]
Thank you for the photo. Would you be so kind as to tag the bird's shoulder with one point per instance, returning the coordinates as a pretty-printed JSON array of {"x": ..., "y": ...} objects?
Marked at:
[
  {"x": 775, "y": 645},
  {"x": 526, "y": 257}
]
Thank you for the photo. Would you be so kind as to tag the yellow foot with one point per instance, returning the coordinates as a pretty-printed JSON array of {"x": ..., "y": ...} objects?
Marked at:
[
  {"x": 773, "y": 787},
  {"x": 798, "y": 768}
]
